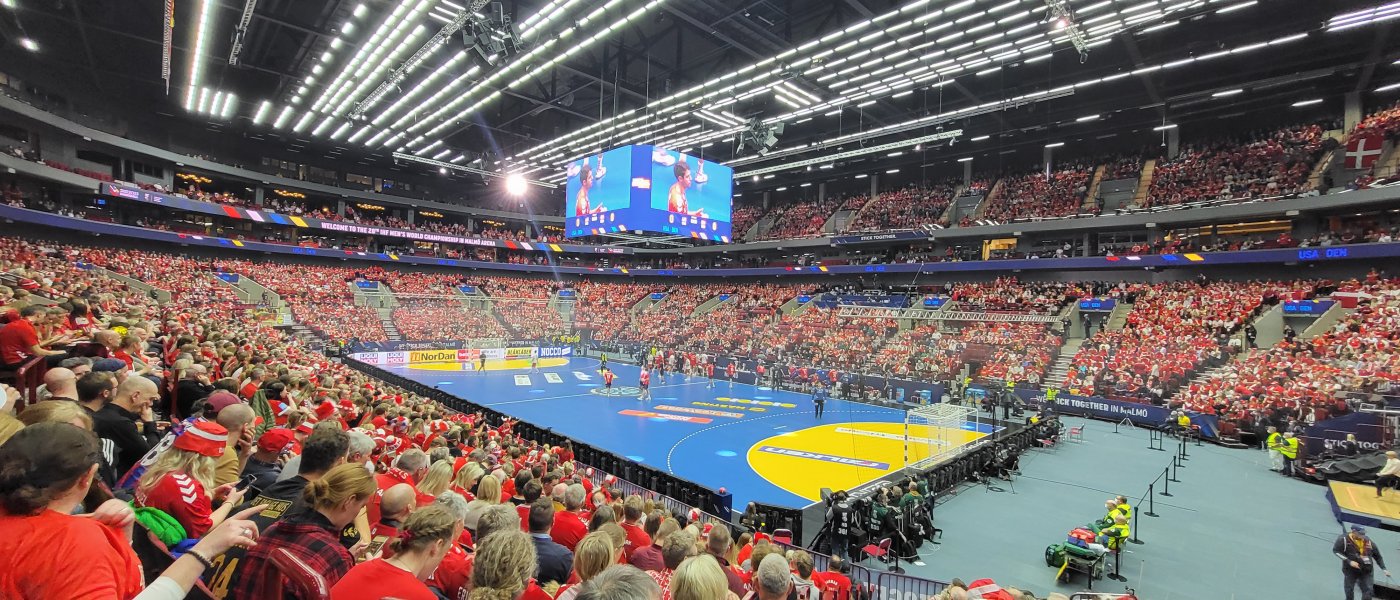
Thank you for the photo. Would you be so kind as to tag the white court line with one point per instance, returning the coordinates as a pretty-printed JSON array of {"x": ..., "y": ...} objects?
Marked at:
[{"x": 656, "y": 387}]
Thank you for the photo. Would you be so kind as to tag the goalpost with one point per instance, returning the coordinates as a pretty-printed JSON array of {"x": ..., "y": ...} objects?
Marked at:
[{"x": 933, "y": 433}]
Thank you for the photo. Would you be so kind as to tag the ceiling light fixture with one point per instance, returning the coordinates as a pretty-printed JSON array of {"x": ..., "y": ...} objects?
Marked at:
[
  {"x": 29, "y": 44},
  {"x": 1227, "y": 93},
  {"x": 1306, "y": 102}
]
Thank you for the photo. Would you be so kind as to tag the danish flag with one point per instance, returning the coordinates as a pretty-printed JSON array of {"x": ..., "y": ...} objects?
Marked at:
[{"x": 1363, "y": 151}]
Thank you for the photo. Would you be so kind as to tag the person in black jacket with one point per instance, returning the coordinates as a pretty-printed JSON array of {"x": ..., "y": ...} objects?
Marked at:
[
  {"x": 1360, "y": 557},
  {"x": 129, "y": 422},
  {"x": 554, "y": 562}
]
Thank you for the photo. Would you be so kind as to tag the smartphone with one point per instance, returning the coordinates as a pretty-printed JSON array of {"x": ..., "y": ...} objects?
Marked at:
[{"x": 244, "y": 483}]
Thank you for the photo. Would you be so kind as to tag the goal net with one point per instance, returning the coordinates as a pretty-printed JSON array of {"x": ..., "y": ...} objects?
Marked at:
[{"x": 934, "y": 433}]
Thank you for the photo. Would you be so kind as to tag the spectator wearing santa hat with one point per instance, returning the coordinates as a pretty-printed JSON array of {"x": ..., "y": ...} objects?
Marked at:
[{"x": 180, "y": 481}]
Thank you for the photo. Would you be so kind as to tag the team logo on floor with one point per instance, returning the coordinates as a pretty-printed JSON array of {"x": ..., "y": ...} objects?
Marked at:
[
  {"x": 625, "y": 390},
  {"x": 844, "y": 460}
]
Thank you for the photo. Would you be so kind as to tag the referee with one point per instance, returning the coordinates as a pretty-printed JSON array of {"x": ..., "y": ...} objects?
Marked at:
[{"x": 819, "y": 399}]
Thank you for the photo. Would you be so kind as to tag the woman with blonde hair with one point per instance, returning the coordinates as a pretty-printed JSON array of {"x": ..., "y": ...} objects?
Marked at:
[
  {"x": 699, "y": 578},
  {"x": 503, "y": 567},
  {"x": 425, "y": 538},
  {"x": 312, "y": 535},
  {"x": 57, "y": 412},
  {"x": 488, "y": 493},
  {"x": 466, "y": 480},
  {"x": 9, "y": 426},
  {"x": 438, "y": 479},
  {"x": 593, "y": 553},
  {"x": 181, "y": 482}
]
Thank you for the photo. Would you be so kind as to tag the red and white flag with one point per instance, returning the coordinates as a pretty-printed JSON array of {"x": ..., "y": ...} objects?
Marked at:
[{"x": 1364, "y": 151}]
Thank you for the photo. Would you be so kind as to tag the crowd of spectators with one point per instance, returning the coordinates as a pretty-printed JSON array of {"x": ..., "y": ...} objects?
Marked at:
[
  {"x": 1009, "y": 294},
  {"x": 742, "y": 218},
  {"x": 1309, "y": 380},
  {"x": 1036, "y": 194},
  {"x": 1172, "y": 331},
  {"x": 445, "y": 319},
  {"x": 1271, "y": 163},
  {"x": 804, "y": 218},
  {"x": 907, "y": 208}
]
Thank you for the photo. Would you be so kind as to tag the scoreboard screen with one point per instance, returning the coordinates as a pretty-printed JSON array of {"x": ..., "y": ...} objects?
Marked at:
[{"x": 642, "y": 189}]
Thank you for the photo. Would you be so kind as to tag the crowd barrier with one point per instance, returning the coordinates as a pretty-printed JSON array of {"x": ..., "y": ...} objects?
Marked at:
[
  {"x": 666, "y": 484},
  {"x": 867, "y": 582},
  {"x": 628, "y": 488}
]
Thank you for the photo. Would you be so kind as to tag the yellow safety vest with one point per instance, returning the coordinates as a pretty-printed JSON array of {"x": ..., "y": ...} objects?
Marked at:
[
  {"x": 1127, "y": 511},
  {"x": 1272, "y": 441},
  {"x": 1289, "y": 449}
]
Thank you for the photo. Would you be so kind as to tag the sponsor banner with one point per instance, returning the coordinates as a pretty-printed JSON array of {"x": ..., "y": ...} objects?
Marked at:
[
  {"x": 1324, "y": 435},
  {"x": 733, "y": 406},
  {"x": 669, "y": 417},
  {"x": 878, "y": 237},
  {"x": 433, "y": 356},
  {"x": 553, "y": 378},
  {"x": 831, "y": 458},
  {"x": 520, "y": 352},
  {"x": 890, "y": 436},
  {"x": 701, "y": 411},
  {"x": 1116, "y": 410},
  {"x": 556, "y": 351}
]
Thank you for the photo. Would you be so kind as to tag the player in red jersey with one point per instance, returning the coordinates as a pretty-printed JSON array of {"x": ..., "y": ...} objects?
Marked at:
[
  {"x": 729, "y": 372},
  {"x": 710, "y": 374},
  {"x": 607, "y": 381},
  {"x": 645, "y": 383}
]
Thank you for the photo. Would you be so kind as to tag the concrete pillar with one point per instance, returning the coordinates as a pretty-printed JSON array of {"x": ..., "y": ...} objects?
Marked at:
[
  {"x": 340, "y": 207},
  {"x": 1086, "y": 250},
  {"x": 874, "y": 185},
  {"x": 967, "y": 173},
  {"x": 1351, "y": 110},
  {"x": 1173, "y": 142},
  {"x": 1048, "y": 154},
  {"x": 821, "y": 192},
  {"x": 767, "y": 200},
  {"x": 258, "y": 195},
  {"x": 412, "y": 215}
]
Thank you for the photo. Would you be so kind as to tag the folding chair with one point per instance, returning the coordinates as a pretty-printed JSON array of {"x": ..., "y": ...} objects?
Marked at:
[
  {"x": 1076, "y": 434},
  {"x": 782, "y": 536},
  {"x": 879, "y": 551}
]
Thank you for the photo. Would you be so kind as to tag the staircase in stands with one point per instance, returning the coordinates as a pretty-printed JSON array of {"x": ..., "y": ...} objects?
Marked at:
[
  {"x": 987, "y": 200},
  {"x": 1091, "y": 198},
  {"x": 1144, "y": 183}
]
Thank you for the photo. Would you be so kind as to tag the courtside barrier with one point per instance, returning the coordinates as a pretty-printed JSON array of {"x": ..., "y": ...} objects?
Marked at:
[
  {"x": 685, "y": 491},
  {"x": 876, "y": 582},
  {"x": 628, "y": 488}
]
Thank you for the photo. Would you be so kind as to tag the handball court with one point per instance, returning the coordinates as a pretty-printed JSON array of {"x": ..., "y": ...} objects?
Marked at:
[{"x": 760, "y": 444}]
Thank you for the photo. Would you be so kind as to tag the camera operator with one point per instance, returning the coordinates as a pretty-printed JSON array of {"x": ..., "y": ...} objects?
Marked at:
[{"x": 842, "y": 521}]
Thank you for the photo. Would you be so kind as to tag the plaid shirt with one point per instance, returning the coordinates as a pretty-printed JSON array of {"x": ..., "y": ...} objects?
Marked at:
[{"x": 309, "y": 536}]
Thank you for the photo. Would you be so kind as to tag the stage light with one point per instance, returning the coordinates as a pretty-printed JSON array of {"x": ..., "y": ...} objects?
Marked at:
[
  {"x": 29, "y": 44},
  {"x": 515, "y": 184}
]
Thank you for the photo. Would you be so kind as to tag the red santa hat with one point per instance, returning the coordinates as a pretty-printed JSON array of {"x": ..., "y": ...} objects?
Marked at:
[
  {"x": 306, "y": 427},
  {"x": 324, "y": 410},
  {"x": 204, "y": 437}
]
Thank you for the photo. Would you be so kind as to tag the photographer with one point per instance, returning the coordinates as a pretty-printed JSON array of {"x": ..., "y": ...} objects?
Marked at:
[{"x": 842, "y": 521}]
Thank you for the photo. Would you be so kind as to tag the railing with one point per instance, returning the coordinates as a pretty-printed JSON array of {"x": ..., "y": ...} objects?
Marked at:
[
  {"x": 27, "y": 379},
  {"x": 877, "y": 583}
]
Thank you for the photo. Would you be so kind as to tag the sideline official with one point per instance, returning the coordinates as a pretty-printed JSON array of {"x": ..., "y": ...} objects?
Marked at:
[{"x": 1360, "y": 557}]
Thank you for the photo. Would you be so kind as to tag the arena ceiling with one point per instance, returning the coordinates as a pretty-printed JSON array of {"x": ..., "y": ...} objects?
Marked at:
[{"x": 844, "y": 77}]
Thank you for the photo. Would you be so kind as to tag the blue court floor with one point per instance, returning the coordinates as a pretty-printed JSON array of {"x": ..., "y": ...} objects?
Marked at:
[{"x": 711, "y": 436}]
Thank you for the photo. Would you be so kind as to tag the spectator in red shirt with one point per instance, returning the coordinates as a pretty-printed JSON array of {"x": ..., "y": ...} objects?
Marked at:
[
  {"x": 312, "y": 535},
  {"x": 636, "y": 537},
  {"x": 570, "y": 524},
  {"x": 648, "y": 558},
  {"x": 718, "y": 546},
  {"x": 181, "y": 482},
  {"x": 19, "y": 340},
  {"x": 411, "y": 467},
  {"x": 834, "y": 579},
  {"x": 427, "y": 536},
  {"x": 45, "y": 471},
  {"x": 395, "y": 505}
]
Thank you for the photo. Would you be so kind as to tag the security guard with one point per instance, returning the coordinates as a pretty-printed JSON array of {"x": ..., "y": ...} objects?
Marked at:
[
  {"x": 1272, "y": 443},
  {"x": 1125, "y": 508},
  {"x": 1289, "y": 450}
]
